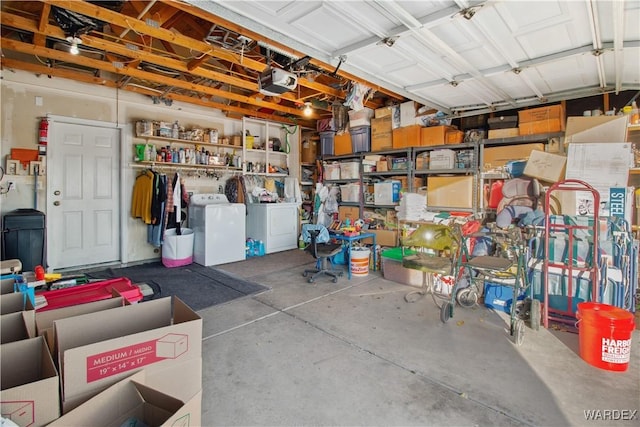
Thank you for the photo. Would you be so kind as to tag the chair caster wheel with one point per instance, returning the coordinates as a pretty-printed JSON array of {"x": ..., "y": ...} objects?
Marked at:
[
  {"x": 305, "y": 274},
  {"x": 445, "y": 312},
  {"x": 335, "y": 280},
  {"x": 310, "y": 280}
]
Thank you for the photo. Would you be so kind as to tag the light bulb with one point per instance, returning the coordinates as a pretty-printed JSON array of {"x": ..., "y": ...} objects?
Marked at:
[
  {"x": 307, "y": 109},
  {"x": 75, "y": 41}
]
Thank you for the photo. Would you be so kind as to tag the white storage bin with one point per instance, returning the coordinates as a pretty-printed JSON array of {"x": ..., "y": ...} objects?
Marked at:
[
  {"x": 349, "y": 170},
  {"x": 332, "y": 170},
  {"x": 350, "y": 192},
  {"x": 386, "y": 193},
  {"x": 442, "y": 159}
]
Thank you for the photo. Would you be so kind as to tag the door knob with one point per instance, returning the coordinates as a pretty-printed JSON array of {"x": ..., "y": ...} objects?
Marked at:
[{"x": 56, "y": 203}]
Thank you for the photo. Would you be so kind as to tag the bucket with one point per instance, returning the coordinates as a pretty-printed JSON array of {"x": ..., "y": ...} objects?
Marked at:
[
  {"x": 360, "y": 261},
  {"x": 605, "y": 335},
  {"x": 177, "y": 250}
]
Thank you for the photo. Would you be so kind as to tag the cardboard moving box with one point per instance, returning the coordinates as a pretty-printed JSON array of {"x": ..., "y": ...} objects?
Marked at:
[
  {"x": 96, "y": 350},
  {"x": 450, "y": 191},
  {"x": 596, "y": 129},
  {"x": 546, "y": 166},
  {"x": 44, "y": 319},
  {"x": 17, "y": 326},
  {"x": 132, "y": 399},
  {"x": 495, "y": 157},
  {"x": 30, "y": 393}
]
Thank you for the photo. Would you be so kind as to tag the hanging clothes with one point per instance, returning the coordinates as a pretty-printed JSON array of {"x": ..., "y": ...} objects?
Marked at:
[
  {"x": 142, "y": 197},
  {"x": 155, "y": 231}
]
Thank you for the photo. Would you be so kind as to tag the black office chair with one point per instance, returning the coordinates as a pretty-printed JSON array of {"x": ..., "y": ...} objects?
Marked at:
[{"x": 317, "y": 237}]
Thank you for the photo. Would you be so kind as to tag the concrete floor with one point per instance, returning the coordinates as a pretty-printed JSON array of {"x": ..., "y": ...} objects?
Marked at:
[{"x": 355, "y": 353}]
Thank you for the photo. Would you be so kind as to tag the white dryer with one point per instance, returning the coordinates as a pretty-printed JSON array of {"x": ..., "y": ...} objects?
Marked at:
[{"x": 218, "y": 228}]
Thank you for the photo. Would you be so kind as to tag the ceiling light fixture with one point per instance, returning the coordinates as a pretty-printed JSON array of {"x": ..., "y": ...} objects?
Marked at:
[
  {"x": 307, "y": 109},
  {"x": 75, "y": 41}
]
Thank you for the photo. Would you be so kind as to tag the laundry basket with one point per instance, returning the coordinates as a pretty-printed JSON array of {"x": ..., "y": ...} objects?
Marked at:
[{"x": 177, "y": 250}]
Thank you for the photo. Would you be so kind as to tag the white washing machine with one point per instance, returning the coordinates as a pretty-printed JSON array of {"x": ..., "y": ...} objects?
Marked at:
[
  {"x": 276, "y": 224},
  {"x": 218, "y": 228}
]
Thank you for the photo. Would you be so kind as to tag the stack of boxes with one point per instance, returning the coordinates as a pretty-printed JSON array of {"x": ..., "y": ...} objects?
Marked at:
[{"x": 75, "y": 365}]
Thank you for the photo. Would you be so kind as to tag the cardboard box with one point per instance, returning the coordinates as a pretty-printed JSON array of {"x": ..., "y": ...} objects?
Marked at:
[
  {"x": 454, "y": 137},
  {"x": 385, "y": 237},
  {"x": 309, "y": 150},
  {"x": 382, "y": 141},
  {"x": 541, "y": 113},
  {"x": 450, "y": 191},
  {"x": 435, "y": 135},
  {"x": 350, "y": 212},
  {"x": 495, "y": 157},
  {"x": 14, "y": 302},
  {"x": 416, "y": 182},
  {"x": 541, "y": 126},
  {"x": 96, "y": 350},
  {"x": 342, "y": 144},
  {"x": 381, "y": 125},
  {"x": 6, "y": 285},
  {"x": 132, "y": 398},
  {"x": 17, "y": 326},
  {"x": 382, "y": 166},
  {"x": 596, "y": 129},
  {"x": 422, "y": 161},
  {"x": 30, "y": 385},
  {"x": 503, "y": 133},
  {"x": 382, "y": 112},
  {"x": 408, "y": 136},
  {"x": 545, "y": 166},
  {"x": 44, "y": 319}
]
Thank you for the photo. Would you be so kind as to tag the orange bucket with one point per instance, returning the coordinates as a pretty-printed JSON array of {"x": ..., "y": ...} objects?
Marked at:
[{"x": 605, "y": 335}]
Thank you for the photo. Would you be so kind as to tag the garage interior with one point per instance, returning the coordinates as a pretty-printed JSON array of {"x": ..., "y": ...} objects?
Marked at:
[{"x": 258, "y": 83}]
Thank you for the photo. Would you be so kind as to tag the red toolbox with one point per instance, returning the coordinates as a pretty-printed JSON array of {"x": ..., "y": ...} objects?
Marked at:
[{"x": 89, "y": 292}]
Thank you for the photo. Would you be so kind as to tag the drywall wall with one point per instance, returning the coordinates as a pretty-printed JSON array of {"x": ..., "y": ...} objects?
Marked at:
[{"x": 27, "y": 97}]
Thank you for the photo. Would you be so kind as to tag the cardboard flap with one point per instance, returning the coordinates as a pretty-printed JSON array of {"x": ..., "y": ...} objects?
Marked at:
[
  {"x": 126, "y": 320},
  {"x": 24, "y": 362},
  {"x": 13, "y": 302}
]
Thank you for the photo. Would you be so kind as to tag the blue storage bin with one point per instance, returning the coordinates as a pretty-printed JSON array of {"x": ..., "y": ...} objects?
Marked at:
[
  {"x": 360, "y": 139},
  {"x": 515, "y": 168},
  {"x": 327, "y": 143},
  {"x": 499, "y": 297}
]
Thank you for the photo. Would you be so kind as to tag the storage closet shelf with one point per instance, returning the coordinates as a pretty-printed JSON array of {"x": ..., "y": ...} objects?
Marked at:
[
  {"x": 166, "y": 165},
  {"x": 186, "y": 141}
]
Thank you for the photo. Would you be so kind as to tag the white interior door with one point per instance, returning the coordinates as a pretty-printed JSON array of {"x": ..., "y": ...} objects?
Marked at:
[{"x": 83, "y": 210}]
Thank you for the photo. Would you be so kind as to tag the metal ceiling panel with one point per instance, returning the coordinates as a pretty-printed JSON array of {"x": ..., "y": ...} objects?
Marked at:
[{"x": 461, "y": 56}]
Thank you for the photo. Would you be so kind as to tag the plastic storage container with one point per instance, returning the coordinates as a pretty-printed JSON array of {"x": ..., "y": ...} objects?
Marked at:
[
  {"x": 327, "y": 143},
  {"x": 393, "y": 270},
  {"x": 360, "y": 139},
  {"x": 23, "y": 237}
]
